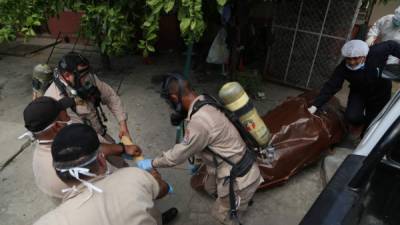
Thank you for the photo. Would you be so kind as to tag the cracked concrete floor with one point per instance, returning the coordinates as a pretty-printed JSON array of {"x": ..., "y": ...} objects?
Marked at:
[{"x": 22, "y": 203}]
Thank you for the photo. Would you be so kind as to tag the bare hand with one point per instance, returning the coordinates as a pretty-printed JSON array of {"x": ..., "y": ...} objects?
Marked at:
[{"x": 133, "y": 150}]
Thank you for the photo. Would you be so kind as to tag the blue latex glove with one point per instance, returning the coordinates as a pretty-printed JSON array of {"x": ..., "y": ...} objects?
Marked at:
[
  {"x": 170, "y": 189},
  {"x": 145, "y": 164},
  {"x": 193, "y": 168}
]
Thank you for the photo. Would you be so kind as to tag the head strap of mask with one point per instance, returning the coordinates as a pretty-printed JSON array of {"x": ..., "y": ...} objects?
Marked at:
[
  {"x": 70, "y": 63},
  {"x": 77, "y": 168},
  {"x": 178, "y": 115}
]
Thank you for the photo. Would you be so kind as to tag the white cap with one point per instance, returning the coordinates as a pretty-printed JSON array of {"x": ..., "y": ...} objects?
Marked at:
[
  {"x": 355, "y": 48},
  {"x": 397, "y": 14}
]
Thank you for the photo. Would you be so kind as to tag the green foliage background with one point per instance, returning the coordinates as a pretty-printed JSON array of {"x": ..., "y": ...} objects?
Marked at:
[{"x": 111, "y": 25}]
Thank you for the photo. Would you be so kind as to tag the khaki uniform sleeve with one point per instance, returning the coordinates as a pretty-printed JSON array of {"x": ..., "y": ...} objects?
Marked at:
[
  {"x": 111, "y": 99},
  {"x": 195, "y": 140}
]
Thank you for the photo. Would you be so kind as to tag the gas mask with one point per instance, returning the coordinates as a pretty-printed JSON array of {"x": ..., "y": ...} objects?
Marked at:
[
  {"x": 179, "y": 113},
  {"x": 87, "y": 90},
  {"x": 84, "y": 83}
]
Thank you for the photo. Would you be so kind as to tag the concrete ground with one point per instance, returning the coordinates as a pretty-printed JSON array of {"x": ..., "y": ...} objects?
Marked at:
[{"x": 22, "y": 203}]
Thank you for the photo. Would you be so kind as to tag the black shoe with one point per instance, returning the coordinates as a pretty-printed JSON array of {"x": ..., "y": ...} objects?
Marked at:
[{"x": 169, "y": 215}]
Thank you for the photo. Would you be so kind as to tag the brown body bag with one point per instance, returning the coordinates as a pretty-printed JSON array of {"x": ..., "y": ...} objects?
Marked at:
[{"x": 299, "y": 138}]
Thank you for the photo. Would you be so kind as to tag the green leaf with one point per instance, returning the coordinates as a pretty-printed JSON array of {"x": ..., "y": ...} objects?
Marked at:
[
  {"x": 152, "y": 2},
  {"x": 157, "y": 9},
  {"x": 221, "y": 2},
  {"x": 141, "y": 46},
  {"x": 146, "y": 24},
  {"x": 185, "y": 22},
  {"x": 31, "y": 32},
  {"x": 169, "y": 5},
  {"x": 151, "y": 48},
  {"x": 152, "y": 37},
  {"x": 193, "y": 25}
]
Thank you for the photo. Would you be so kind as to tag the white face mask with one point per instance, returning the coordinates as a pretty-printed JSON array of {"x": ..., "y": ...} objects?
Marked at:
[
  {"x": 44, "y": 141},
  {"x": 354, "y": 68},
  {"x": 69, "y": 122},
  {"x": 51, "y": 125}
]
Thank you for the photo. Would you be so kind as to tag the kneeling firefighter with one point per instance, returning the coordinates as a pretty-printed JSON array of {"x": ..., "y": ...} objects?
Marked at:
[
  {"x": 232, "y": 171},
  {"x": 73, "y": 78}
]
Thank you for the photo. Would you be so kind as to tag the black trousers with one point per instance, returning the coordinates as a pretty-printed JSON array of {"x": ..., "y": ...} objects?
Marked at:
[{"x": 362, "y": 108}]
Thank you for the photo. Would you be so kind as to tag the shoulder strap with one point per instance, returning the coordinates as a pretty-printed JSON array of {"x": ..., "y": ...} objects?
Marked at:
[
  {"x": 60, "y": 87},
  {"x": 209, "y": 100},
  {"x": 63, "y": 90}
]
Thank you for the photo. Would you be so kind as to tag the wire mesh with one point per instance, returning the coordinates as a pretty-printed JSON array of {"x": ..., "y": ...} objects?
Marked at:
[
  {"x": 326, "y": 61},
  {"x": 286, "y": 13},
  {"x": 340, "y": 17},
  {"x": 301, "y": 59},
  {"x": 312, "y": 15},
  {"x": 319, "y": 29},
  {"x": 280, "y": 50}
]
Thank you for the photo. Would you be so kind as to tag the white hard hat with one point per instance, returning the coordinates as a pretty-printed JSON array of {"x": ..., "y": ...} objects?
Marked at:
[
  {"x": 355, "y": 48},
  {"x": 397, "y": 14}
]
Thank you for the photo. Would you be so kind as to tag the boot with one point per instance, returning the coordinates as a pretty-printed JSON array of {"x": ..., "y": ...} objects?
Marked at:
[{"x": 169, "y": 215}]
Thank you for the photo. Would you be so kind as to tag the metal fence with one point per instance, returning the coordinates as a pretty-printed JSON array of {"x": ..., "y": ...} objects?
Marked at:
[{"x": 308, "y": 36}]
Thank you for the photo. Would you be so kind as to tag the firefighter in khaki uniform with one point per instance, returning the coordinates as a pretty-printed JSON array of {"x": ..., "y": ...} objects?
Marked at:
[
  {"x": 73, "y": 78},
  {"x": 210, "y": 135},
  {"x": 44, "y": 118},
  {"x": 125, "y": 197}
]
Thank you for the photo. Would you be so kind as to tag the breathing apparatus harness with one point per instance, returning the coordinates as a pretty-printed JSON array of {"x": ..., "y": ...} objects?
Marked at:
[
  {"x": 238, "y": 169},
  {"x": 88, "y": 91}
]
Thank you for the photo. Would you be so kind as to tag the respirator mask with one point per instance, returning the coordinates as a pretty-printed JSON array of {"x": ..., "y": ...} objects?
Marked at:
[
  {"x": 84, "y": 83},
  {"x": 179, "y": 113}
]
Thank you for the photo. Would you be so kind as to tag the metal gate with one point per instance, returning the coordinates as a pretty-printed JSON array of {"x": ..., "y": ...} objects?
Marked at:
[{"x": 308, "y": 36}]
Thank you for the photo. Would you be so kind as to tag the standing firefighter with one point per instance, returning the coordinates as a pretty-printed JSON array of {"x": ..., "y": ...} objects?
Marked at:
[
  {"x": 233, "y": 174},
  {"x": 386, "y": 28},
  {"x": 362, "y": 68},
  {"x": 73, "y": 78}
]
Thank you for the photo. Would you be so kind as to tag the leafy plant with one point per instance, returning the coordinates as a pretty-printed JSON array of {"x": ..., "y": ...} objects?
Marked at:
[
  {"x": 110, "y": 24},
  {"x": 108, "y": 27},
  {"x": 150, "y": 26},
  {"x": 20, "y": 17},
  {"x": 190, "y": 16}
]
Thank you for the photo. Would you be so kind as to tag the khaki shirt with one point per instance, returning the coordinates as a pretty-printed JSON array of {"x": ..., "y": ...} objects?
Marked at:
[
  {"x": 87, "y": 112},
  {"x": 127, "y": 199},
  {"x": 210, "y": 128},
  {"x": 45, "y": 175}
]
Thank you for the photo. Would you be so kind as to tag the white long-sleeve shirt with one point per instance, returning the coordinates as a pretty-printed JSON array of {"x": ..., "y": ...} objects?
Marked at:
[{"x": 385, "y": 30}]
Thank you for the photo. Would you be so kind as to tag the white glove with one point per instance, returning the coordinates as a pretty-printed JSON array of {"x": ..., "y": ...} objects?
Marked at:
[{"x": 312, "y": 109}]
